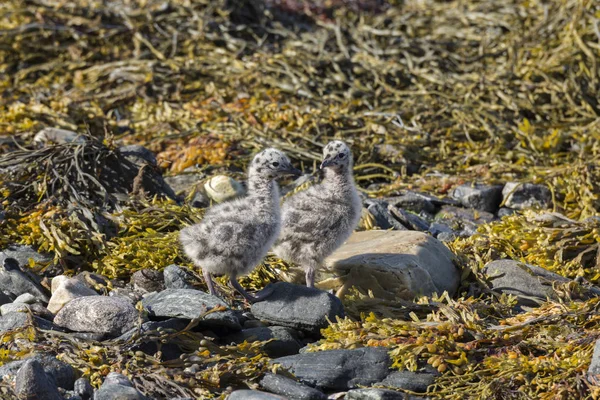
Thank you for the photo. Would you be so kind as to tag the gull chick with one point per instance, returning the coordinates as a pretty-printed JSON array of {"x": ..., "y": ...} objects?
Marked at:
[
  {"x": 233, "y": 237},
  {"x": 317, "y": 221}
]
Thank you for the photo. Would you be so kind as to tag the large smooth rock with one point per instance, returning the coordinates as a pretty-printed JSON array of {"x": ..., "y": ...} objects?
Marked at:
[
  {"x": 117, "y": 387},
  {"x": 520, "y": 196},
  {"x": 32, "y": 383},
  {"x": 409, "y": 380},
  {"x": 253, "y": 395},
  {"x": 112, "y": 316},
  {"x": 190, "y": 304},
  {"x": 221, "y": 188},
  {"x": 64, "y": 290},
  {"x": 531, "y": 284},
  {"x": 479, "y": 196},
  {"x": 62, "y": 373},
  {"x": 285, "y": 340},
  {"x": 290, "y": 389},
  {"x": 178, "y": 278},
  {"x": 375, "y": 394},
  {"x": 13, "y": 281},
  {"x": 392, "y": 265},
  {"x": 339, "y": 369},
  {"x": 298, "y": 307}
]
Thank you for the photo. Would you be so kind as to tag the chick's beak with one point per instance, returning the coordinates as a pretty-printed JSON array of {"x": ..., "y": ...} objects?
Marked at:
[{"x": 326, "y": 163}]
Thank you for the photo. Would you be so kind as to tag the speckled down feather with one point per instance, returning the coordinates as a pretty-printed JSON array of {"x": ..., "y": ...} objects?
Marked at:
[{"x": 317, "y": 221}]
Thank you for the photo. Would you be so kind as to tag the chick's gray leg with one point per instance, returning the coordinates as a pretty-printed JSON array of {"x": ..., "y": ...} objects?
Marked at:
[
  {"x": 252, "y": 299},
  {"x": 310, "y": 277},
  {"x": 209, "y": 282}
]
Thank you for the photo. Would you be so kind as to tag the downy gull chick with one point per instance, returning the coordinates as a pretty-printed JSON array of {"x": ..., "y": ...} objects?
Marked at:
[
  {"x": 233, "y": 237},
  {"x": 317, "y": 221}
]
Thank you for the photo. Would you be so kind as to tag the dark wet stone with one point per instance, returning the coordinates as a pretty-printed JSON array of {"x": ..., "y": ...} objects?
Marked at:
[
  {"x": 339, "y": 369},
  {"x": 298, "y": 307},
  {"x": 286, "y": 339},
  {"x": 383, "y": 218},
  {"x": 83, "y": 388},
  {"x": 32, "y": 383},
  {"x": 190, "y": 304},
  {"x": 414, "y": 202},
  {"x": 138, "y": 154},
  {"x": 504, "y": 212},
  {"x": 17, "y": 320},
  {"x": 62, "y": 373},
  {"x": 177, "y": 277},
  {"x": 13, "y": 280},
  {"x": 200, "y": 200},
  {"x": 290, "y": 389},
  {"x": 99, "y": 314},
  {"x": 479, "y": 196},
  {"x": 410, "y": 220},
  {"x": 531, "y": 284},
  {"x": 408, "y": 380}
]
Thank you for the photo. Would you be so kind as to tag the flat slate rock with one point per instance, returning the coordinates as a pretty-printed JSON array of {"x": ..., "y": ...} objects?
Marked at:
[
  {"x": 176, "y": 277},
  {"x": 253, "y": 395},
  {"x": 339, "y": 369},
  {"x": 285, "y": 343},
  {"x": 17, "y": 320},
  {"x": 298, "y": 307},
  {"x": 290, "y": 389},
  {"x": 479, "y": 196},
  {"x": 32, "y": 383},
  {"x": 531, "y": 284},
  {"x": 393, "y": 264},
  {"x": 408, "y": 380},
  {"x": 63, "y": 373},
  {"x": 112, "y": 316},
  {"x": 190, "y": 304}
]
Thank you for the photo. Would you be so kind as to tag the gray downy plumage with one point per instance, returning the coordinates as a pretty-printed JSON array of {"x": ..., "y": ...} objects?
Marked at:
[
  {"x": 235, "y": 236},
  {"x": 317, "y": 221}
]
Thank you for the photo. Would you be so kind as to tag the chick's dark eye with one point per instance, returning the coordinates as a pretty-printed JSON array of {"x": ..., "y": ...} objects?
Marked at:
[
  {"x": 341, "y": 155},
  {"x": 275, "y": 164}
]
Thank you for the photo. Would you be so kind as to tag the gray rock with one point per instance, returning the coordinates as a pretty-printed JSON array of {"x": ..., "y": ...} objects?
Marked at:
[
  {"x": 13, "y": 307},
  {"x": 172, "y": 324},
  {"x": 414, "y": 202},
  {"x": 26, "y": 298},
  {"x": 138, "y": 154},
  {"x": 479, "y": 196},
  {"x": 148, "y": 280},
  {"x": 339, "y": 369},
  {"x": 393, "y": 264},
  {"x": 446, "y": 237},
  {"x": 408, "y": 380},
  {"x": 520, "y": 196},
  {"x": 62, "y": 373},
  {"x": 285, "y": 341},
  {"x": 383, "y": 218},
  {"x": 410, "y": 220},
  {"x": 114, "y": 378},
  {"x": 298, "y": 307},
  {"x": 504, "y": 212},
  {"x": 184, "y": 183},
  {"x": 129, "y": 294},
  {"x": 117, "y": 387},
  {"x": 13, "y": 281},
  {"x": 221, "y": 188},
  {"x": 253, "y": 395},
  {"x": 32, "y": 383},
  {"x": 375, "y": 394},
  {"x": 98, "y": 314},
  {"x": 83, "y": 388},
  {"x": 593, "y": 371},
  {"x": 200, "y": 200},
  {"x": 178, "y": 278},
  {"x": 531, "y": 284},
  {"x": 65, "y": 289},
  {"x": 18, "y": 320},
  {"x": 290, "y": 389},
  {"x": 57, "y": 136},
  {"x": 437, "y": 228},
  {"x": 22, "y": 254},
  {"x": 190, "y": 304},
  {"x": 463, "y": 220}
]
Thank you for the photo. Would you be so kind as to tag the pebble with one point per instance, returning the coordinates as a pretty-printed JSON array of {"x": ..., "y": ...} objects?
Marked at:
[
  {"x": 190, "y": 304},
  {"x": 285, "y": 343},
  {"x": 221, "y": 188},
  {"x": 339, "y": 369},
  {"x": 531, "y": 284},
  {"x": 98, "y": 314},
  {"x": 479, "y": 196},
  {"x": 148, "y": 280},
  {"x": 298, "y": 307},
  {"x": 520, "y": 196},
  {"x": 394, "y": 264},
  {"x": 176, "y": 277},
  {"x": 26, "y": 298},
  {"x": 65, "y": 289},
  {"x": 290, "y": 389},
  {"x": 32, "y": 383}
]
